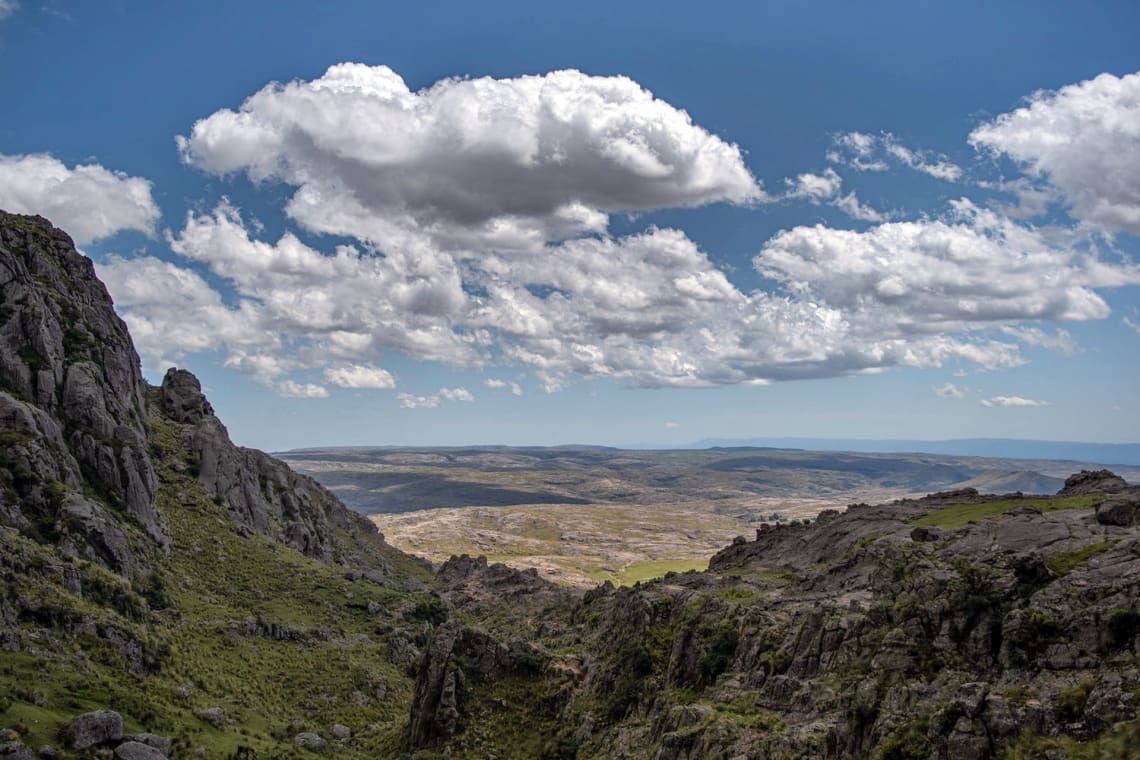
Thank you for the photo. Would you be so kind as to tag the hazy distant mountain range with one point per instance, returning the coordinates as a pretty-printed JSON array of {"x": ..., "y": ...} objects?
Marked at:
[{"x": 1005, "y": 448}]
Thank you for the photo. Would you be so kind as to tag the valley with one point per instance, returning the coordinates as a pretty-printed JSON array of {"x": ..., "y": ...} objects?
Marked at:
[{"x": 584, "y": 515}]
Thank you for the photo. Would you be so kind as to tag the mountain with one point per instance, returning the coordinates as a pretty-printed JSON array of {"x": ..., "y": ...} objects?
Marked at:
[
  {"x": 164, "y": 593},
  {"x": 1001, "y": 448}
]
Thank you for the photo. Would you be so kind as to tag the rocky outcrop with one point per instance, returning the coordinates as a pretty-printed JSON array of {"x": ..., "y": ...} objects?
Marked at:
[
  {"x": 1093, "y": 482},
  {"x": 861, "y": 635},
  {"x": 72, "y": 407},
  {"x": 457, "y": 660},
  {"x": 261, "y": 493}
]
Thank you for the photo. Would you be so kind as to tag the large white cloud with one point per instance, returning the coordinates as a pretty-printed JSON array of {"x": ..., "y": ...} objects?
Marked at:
[
  {"x": 937, "y": 276},
  {"x": 502, "y": 163},
  {"x": 1083, "y": 139},
  {"x": 649, "y": 309},
  {"x": 88, "y": 201}
]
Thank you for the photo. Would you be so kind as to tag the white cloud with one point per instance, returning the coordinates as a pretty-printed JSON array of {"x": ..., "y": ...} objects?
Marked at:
[
  {"x": 949, "y": 390},
  {"x": 865, "y": 152},
  {"x": 88, "y": 202},
  {"x": 409, "y": 401},
  {"x": 360, "y": 376},
  {"x": 1012, "y": 401},
  {"x": 818, "y": 187},
  {"x": 1135, "y": 327},
  {"x": 850, "y": 205},
  {"x": 824, "y": 188},
  {"x": 172, "y": 312},
  {"x": 976, "y": 269},
  {"x": 291, "y": 389},
  {"x": 7, "y": 8},
  {"x": 671, "y": 425},
  {"x": 469, "y": 163},
  {"x": 496, "y": 384},
  {"x": 347, "y": 305},
  {"x": 455, "y": 394},
  {"x": 1060, "y": 341},
  {"x": 1084, "y": 140}
]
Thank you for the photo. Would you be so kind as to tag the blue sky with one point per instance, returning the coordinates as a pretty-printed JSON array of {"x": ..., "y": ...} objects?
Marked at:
[{"x": 601, "y": 223}]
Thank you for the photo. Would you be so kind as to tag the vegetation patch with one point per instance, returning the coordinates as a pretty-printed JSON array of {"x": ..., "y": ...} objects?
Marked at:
[
  {"x": 1062, "y": 563},
  {"x": 958, "y": 515}
]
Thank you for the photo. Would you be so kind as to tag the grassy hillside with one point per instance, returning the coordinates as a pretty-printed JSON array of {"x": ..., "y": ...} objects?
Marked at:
[{"x": 279, "y": 642}]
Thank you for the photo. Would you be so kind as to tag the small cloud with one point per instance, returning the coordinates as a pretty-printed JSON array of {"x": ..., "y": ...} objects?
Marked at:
[
  {"x": 1012, "y": 401},
  {"x": 869, "y": 153},
  {"x": 672, "y": 425},
  {"x": 1131, "y": 325},
  {"x": 949, "y": 390},
  {"x": 360, "y": 376},
  {"x": 1061, "y": 341},
  {"x": 456, "y": 394},
  {"x": 409, "y": 401},
  {"x": 495, "y": 383},
  {"x": 291, "y": 389},
  {"x": 7, "y": 8}
]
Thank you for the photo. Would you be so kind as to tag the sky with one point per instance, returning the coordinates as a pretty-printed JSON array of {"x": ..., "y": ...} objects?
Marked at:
[{"x": 632, "y": 223}]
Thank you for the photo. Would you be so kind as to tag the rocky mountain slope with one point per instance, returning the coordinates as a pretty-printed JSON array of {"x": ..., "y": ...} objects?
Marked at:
[{"x": 164, "y": 593}]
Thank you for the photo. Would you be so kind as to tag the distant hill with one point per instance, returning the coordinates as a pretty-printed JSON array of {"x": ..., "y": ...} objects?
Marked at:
[{"x": 1005, "y": 448}]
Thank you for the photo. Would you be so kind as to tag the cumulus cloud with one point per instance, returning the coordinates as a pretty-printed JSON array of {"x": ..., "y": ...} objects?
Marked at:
[
  {"x": 949, "y": 390},
  {"x": 292, "y": 389},
  {"x": 469, "y": 163},
  {"x": 172, "y": 311},
  {"x": 497, "y": 384},
  {"x": 1084, "y": 141},
  {"x": 359, "y": 376},
  {"x": 866, "y": 152},
  {"x": 1012, "y": 401},
  {"x": 88, "y": 201},
  {"x": 649, "y": 310},
  {"x": 409, "y": 401},
  {"x": 825, "y": 188},
  {"x": 937, "y": 276}
]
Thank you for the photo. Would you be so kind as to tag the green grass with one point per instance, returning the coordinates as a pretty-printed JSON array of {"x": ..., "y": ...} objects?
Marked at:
[
  {"x": 224, "y": 592},
  {"x": 646, "y": 570},
  {"x": 1062, "y": 563},
  {"x": 958, "y": 515}
]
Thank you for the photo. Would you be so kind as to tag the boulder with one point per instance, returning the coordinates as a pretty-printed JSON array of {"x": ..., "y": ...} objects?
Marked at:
[
  {"x": 341, "y": 732},
  {"x": 215, "y": 716},
  {"x": 310, "y": 740},
  {"x": 161, "y": 743},
  {"x": 94, "y": 729},
  {"x": 15, "y": 750},
  {"x": 1123, "y": 511},
  {"x": 137, "y": 751}
]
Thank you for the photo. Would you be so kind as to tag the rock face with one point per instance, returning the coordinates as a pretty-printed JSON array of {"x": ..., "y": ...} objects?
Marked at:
[
  {"x": 262, "y": 494},
  {"x": 72, "y": 406},
  {"x": 75, "y": 468}
]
